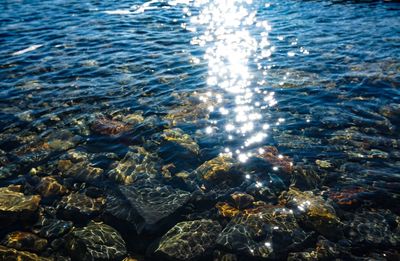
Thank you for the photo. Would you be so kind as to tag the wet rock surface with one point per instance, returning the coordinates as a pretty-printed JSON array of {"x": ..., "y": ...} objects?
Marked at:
[
  {"x": 77, "y": 205},
  {"x": 96, "y": 241},
  {"x": 24, "y": 241},
  {"x": 154, "y": 202},
  {"x": 15, "y": 206},
  {"x": 189, "y": 240}
]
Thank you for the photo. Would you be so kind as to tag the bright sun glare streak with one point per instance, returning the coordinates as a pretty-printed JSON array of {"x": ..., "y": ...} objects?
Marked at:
[{"x": 223, "y": 28}]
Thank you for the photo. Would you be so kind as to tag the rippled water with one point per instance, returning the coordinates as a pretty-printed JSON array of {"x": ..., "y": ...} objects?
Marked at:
[{"x": 129, "y": 100}]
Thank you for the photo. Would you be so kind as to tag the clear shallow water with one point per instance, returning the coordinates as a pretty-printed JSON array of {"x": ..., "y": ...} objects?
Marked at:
[{"x": 95, "y": 87}]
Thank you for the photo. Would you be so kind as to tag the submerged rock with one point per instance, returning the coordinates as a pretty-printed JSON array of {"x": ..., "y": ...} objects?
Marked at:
[
  {"x": 216, "y": 169},
  {"x": 189, "y": 240},
  {"x": 272, "y": 156},
  {"x": 82, "y": 171},
  {"x": 374, "y": 229},
  {"x": 49, "y": 186},
  {"x": 15, "y": 206},
  {"x": 52, "y": 228},
  {"x": 11, "y": 254},
  {"x": 177, "y": 136},
  {"x": 154, "y": 202},
  {"x": 263, "y": 232},
  {"x": 313, "y": 212},
  {"x": 76, "y": 206},
  {"x": 96, "y": 241},
  {"x": 136, "y": 161},
  {"x": 107, "y": 126},
  {"x": 325, "y": 250},
  {"x": 24, "y": 241}
]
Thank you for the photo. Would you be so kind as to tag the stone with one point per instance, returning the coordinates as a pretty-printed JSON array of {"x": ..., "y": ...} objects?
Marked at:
[
  {"x": 52, "y": 228},
  {"x": 49, "y": 186},
  {"x": 184, "y": 140},
  {"x": 96, "y": 241},
  {"x": 105, "y": 126},
  {"x": 15, "y": 206},
  {"x": 136, "y": 161},
  {"x": 154, "y": 202},
  {"x": 215, "y": 169},
  {"x": 81, "y": 171},
  {"x": 11, "y": 254},
  {"x": 76, "y": 206},
  {"x": 324, "y": 250},
  {"x": 374, "y": 229},
  {"x": 24, "y": 241},
  {"x": 242, "y": 200},
  {"x": 313, "y": 212},
  {"x": 272, "y": 156},
  {"x": 324, "y": 164},
  {"x": 189, "y": 240},
  {"x": 263, "y": 232}
]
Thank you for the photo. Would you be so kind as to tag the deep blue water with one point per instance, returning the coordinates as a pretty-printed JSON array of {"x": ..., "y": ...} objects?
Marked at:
[{"x": 317, "y": 80}]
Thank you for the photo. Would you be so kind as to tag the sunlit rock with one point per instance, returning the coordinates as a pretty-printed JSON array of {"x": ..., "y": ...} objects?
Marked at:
[
  {"x": 13, "y": 254},
  {"x": 325, "y": 164},
  {"x": 76, "y": 206},
  {"x": 24, "y": 241},
  {"x": 226, "y": 210},
  {"x": 177, "y": 136},
  {"x": 216, "y": 169},
  {"x": 106, "y": 126},
  {"x": 96, "y": 241},
  {"x": 154, "y": 202},
  {"x": 82, "y": 170},
  {"x": 272, "y": 156},
  {"x": 49, "y": 186},
  {"x": 189, "y": 240},
  {"x": 263, "y": 232},
  {"x": 15, "y": 206},
  {"x": 136, "y": 161},
  {"x": 313, "y": 211}
]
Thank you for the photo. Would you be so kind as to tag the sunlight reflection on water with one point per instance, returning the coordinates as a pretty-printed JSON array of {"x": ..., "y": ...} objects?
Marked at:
[{"x": 229, "y": 49}]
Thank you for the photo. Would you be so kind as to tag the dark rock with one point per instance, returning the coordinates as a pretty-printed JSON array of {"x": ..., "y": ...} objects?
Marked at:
[
  {"x": 189, "y": 240},
  {"x": 76, "y": 206},
  {"x": 154, "y": 202},
  {"x": 11, "y": 254},
  {"x": 49, "y": 186},
  {"x": 263, "y": 232},
  {"x": 374, "y": 229},
  {"x": 15, "y": 206},
  {"x": 96, "y": 241},
  {"x": 24, "y": 241},
  {"x": 52, "y": 228},
  {"x": 107, "y": 126}
]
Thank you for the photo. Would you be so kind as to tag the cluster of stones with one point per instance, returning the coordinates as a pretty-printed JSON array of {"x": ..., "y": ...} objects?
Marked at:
[{"x": 146, "y": 202}]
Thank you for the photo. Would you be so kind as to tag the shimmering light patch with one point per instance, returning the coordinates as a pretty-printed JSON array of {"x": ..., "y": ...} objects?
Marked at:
[
  {"x": 224, "y": 29},
  {"x": 29, "y": 49}
]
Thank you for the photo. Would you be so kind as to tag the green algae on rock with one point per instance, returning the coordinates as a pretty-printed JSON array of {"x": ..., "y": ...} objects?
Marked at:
[
  {"x": 189, "y": 240},
  {"x": 96, "y": 241}
]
